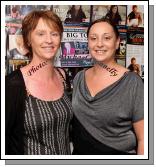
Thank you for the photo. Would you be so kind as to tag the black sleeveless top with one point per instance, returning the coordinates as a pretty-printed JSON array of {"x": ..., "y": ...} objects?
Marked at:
[{"x": 46, "y": 125}]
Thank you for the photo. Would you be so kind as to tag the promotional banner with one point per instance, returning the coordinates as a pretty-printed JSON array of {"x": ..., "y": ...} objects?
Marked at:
[{"x": 74, "y": 48}]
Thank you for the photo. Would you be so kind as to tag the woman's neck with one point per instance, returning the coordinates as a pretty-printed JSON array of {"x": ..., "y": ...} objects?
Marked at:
[
  {"x": 41, "y": 69},
  {"x": 109, "y": 68}
]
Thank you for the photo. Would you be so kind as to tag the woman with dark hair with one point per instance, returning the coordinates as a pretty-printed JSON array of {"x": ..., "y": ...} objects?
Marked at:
[
  {"x": 113, "y": 15},
  {"x": 107, "y": 100},
  {"x": 75, "y": 14}
]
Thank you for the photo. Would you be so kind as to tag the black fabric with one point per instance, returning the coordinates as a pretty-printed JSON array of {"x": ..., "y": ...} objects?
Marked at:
[
  {"x": 66, "y": 83},
  {"x": 114, "y": 20},
  {"x": 85, "y": 144},
  {"x": 14, "y": 114},
  {"x": 131, "y": 15},
  {"x": 15, "y": 95},
  {"x": 72, "y": 17}
]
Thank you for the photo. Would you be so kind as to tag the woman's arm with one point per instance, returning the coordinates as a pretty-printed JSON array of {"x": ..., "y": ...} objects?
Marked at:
[{"x": 139, "y": 131}]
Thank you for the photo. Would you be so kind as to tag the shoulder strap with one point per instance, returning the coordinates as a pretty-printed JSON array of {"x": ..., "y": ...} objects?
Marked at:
[
  {"x": 66, "y": 81},
  {"x": 61, "y": 74}
]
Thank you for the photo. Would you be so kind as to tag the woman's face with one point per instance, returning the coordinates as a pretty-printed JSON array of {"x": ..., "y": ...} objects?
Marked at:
[
  {"x": 102, "y": 42},
  {"x": 20, "y": 45},
  {"x": 114, "y": 10},
  {"x": 44, "y": 40},
  {"x": 77, "y": 7}
]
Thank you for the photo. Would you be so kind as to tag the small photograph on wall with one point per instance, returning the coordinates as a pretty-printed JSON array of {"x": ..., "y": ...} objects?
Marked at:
[
  {"x": 68, "y": 49},
  {"x": 81, "y": 48},
  {"x": 121, "y": 52},
  {"x": 77, "y": 15},
  {"x": 16, "y": 47},
  {"x": 16, "y": 64},
  {"x": 61, "y": 11},
  {"x": 135, "y": 15},
  {"x": 25, "y": 9},
  {"x": 115, "y": 13},
  {"x": 14, "y": 15},
  {"x": 135, "y": 59}
]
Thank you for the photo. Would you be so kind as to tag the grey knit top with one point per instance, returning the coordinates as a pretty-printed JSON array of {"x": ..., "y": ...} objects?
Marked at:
[
  {"x": 108, "y": 116},
  {"x": 47, "y": 126}
]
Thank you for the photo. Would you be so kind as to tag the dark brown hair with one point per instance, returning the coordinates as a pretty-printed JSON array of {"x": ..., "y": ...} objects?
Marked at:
[
  {"x": 30, "y": 22},
  {"x": 134, "y": 6},
  {"x": 133, "y": 58},
  {"x": 107, "y": 21}
]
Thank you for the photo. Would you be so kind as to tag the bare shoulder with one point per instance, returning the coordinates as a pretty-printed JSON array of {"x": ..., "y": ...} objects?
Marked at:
[
  {"x": 24, "y": 70},
  {"x": 122, "y": 69}
]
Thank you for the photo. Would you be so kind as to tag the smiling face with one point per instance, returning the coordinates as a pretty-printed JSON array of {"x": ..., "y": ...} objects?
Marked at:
[
  {"x": 102, "y": 42},
  {"x": 44, "y": 40}
]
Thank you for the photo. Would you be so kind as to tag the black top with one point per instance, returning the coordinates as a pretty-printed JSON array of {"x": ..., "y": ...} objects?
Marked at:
[
  {"x": 85, "y": 144},
  {"x": 14, "y": 115},
  {"x": 131, "y": 15},
  {"x": 115, "y": 20},
  {"x": 72, "y": 17}
]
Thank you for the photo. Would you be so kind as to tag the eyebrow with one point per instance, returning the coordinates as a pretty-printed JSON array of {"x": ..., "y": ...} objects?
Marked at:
[
  {"x": 102, "y": 34},
  {"x": 39, "y": 30}
]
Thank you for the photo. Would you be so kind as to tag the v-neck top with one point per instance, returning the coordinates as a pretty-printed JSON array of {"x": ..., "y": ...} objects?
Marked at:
[
  {"x": 108, "y": 116},
  {"x": 101, "y": 92}
]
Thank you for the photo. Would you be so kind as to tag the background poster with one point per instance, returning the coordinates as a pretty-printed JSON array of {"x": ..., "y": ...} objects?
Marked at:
[
  {"x": 16, "y": 47},
  {"x": 73, "y": 52},
  {"x": 135, "y": 15},
  {"x": 121, "y": 52},
  {"x": 135, "y": 48},
  {"x": 135, "y": 36},
  {"x": 137, "y": 52},
  {"x": 15, "y": 14},
  {"x": 100, "y": 11},
  {"x": 73, "y": 15},
  {"x": 74, "y": 48}
]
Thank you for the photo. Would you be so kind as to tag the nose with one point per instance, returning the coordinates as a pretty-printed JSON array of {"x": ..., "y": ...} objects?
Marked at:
[
  {"x": 99, "y": 43},
  {"x": 49, "y": 38}
]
